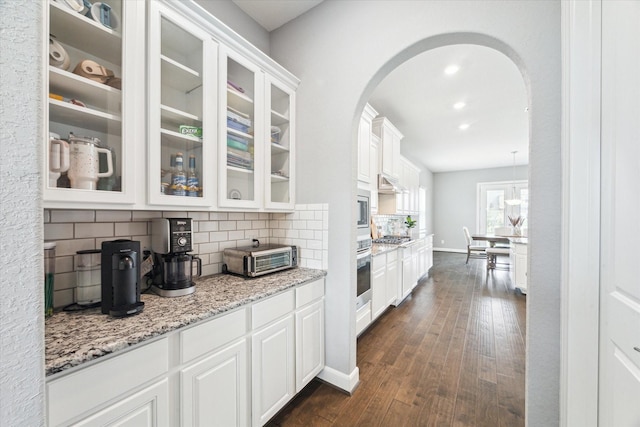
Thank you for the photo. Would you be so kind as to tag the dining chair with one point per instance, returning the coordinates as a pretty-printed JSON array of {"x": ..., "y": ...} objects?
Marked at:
[{"x": 473, "y": 251}]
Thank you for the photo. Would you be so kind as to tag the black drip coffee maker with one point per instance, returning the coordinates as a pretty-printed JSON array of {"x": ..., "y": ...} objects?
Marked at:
[{"x": 171, "y": 239}]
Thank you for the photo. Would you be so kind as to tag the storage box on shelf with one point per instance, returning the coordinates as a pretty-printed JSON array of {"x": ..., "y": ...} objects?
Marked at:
[
  {"x": 182, "y": 84},
  {"x": 91, "y": 64}
]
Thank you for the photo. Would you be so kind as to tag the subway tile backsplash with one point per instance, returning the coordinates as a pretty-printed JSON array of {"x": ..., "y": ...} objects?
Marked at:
[{"x": 74, "y": 230}]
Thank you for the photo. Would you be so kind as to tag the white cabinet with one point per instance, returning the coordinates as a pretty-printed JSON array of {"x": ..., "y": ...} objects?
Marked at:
[
  {"x": 101, "y": 394},
  {"x": 406, "y": 273},
  {"x": 363, "y": 317},
  {"x": 95, "y": 92},
  {"x": 428, "y": 253},
  {"x": 392, "y": 277},
  {"x": 390, "y": 138},
  {"x": 365, "y": 171},
  {"x": 518, "y": 258},
  {"x": 309, "y": 343},
  {"x": 182, "y": 111},
  {"x": 375, "y": 170},
  {"x": 378, "y": 285}
]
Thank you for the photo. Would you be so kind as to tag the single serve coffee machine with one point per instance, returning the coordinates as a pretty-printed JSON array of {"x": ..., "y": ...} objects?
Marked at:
[
  {"x": 120, "y": 278},
  {"x": 171, "y": 239}
]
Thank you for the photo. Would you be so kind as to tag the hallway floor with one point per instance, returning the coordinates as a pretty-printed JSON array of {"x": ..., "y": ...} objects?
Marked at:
[{"x": 452, "y": 354}]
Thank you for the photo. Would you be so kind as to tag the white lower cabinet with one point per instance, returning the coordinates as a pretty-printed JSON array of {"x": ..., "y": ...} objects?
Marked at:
[
  {"x": 214, "y": 390},
  {"x": 378, "y": 285},
  {"x": 203, "y": 375},
  {"x": 392, "y": 277},
  {"x": 518, "y": 258}
]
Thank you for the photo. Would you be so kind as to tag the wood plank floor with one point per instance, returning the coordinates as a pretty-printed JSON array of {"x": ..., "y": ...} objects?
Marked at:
[{"x": 453, "y": 354}]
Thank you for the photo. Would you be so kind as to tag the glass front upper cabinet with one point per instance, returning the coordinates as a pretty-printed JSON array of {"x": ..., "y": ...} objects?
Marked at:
[
  {"x": 279, "y": 147},
  {"x": 92, "y": 130},
  {"x": 182, "y": 93},
  {"x": 241, "y": 135}
]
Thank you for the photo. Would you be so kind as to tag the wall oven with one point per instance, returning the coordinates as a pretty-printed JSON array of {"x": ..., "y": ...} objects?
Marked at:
[{"x": 364, "y": 271}]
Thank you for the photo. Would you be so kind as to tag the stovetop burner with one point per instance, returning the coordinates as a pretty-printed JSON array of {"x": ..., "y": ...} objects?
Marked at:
[{"x": 392, "y": 240}]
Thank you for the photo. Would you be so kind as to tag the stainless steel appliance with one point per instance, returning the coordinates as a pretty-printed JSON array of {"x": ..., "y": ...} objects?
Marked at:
[
  {"x": 259, "y": 259},
  {"x": 363, "y": 258},
  {"x": 120, "y": 278},
  {"x": 363, "y": 211},
  {"x": 171, "y": 239}
]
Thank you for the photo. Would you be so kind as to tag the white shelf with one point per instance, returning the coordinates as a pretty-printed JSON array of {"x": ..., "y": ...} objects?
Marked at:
[
  {"x": 74, "y": 115},
  {"x": 278, "y": 149},
  {"x": 179, "y": 76},
  {"x": 278, "y": 119},
  {"x": 239, "y": 171},
  {"x": 278, "y": 178},
  {"x": 239, "y": 101},
  {"x": 85, "y": 34},
  {"x": 239, "y": 133},
  {"x": 177, "y": 117},
  {"x": 93, "y": 94},
  {"x": 179, "y": 141}
]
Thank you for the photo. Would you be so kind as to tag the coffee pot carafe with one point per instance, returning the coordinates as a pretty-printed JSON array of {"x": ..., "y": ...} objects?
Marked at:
[{"x": 58, "y": 158}]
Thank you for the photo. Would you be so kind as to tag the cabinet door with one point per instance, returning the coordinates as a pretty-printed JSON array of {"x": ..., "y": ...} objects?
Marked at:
[
  {"x": 364, "y": 148},
  {"x": 182, "y": 93},
  {"x": 408, "y": 274},
  {"x": 520, "y": 267},
  {"x": 309, "y": 343},
  {"x": 241, "y": 108},
  {"x": 215, "y": 389},
  {"x": 378, "y": 292},
  {"x": 374, "y": 153},
  {"x": 148, "y": 407},
  {"x": 273, "y": 370},
  {"x": 279, "y": 142},
  {"x": 392, "y": 281},
  {"x": 91, "y": 66}
]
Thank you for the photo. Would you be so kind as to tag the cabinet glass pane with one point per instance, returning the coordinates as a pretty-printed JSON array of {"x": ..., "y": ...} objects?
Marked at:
[
  {"x": 181, "y": 105},
  {"x": 279, "y": 146},
  {"x": 86, "y": 145},
  {"x": 240, "y": 162}
]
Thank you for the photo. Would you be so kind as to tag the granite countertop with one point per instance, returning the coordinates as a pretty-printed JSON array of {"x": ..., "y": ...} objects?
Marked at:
[
  {"x": 381, "y": 248},
  {"x": 73, "y": 338}
]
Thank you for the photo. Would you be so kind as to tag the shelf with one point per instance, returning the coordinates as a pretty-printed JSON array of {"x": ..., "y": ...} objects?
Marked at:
[
  {"x": 178, "y": 141},
  {"x": 278, "y": 119},
  {"x": 239, "y": 133},
  {"x": 278, "y": 178},
  {"x": 93, "y": 94},
  {"x": 240, "y": 102},
  {"x": 85, "y": 34},
  {"x": 177, "y": 117},
  {"x": 87, "y": 118},
  {"x": 278, "y": 149},
  {"x": 179, "y": 76},
  {"x": 239, "y": 171}
]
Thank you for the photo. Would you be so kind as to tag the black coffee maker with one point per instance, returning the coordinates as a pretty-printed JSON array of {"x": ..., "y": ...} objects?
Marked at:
[
  {"x": 171, "y": 239},
  {"x": 120, "y": 274}
]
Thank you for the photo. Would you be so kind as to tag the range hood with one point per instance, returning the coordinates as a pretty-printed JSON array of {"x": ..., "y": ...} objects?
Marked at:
[{"x": 388, "y": 185}]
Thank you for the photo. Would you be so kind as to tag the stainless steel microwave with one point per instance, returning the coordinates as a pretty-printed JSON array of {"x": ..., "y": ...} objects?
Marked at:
[{"x": 363, "y": 210}]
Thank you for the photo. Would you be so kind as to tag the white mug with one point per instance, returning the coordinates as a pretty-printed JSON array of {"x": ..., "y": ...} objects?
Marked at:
[
  {"x": 84, "y": 167},
  {"x": 58, "y": 159}
]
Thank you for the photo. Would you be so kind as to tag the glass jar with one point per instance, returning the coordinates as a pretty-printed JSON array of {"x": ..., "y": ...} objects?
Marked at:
[{"x": 88, "y": 277}]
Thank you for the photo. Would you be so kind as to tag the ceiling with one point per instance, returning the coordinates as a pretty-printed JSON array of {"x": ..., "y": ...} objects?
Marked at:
[{"x": 418, "y": 98}]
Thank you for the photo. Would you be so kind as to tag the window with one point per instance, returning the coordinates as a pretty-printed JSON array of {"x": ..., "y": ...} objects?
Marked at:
[{"x": 493, "y": 211}]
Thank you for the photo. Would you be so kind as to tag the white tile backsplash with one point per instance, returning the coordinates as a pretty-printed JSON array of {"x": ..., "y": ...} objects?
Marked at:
[{"x": 75, "y": 230}]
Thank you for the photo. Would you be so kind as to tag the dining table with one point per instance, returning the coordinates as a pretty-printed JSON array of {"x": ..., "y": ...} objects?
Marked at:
[{"x": 492, "y": 238}]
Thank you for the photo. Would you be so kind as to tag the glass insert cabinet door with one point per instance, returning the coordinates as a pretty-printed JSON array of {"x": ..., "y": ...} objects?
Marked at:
[
  {"x": 91, "y": 138},
  {"x": 279, "y": 146},
  {"x": 242, "y": 132},
  {"x": 182, "y": 93}
]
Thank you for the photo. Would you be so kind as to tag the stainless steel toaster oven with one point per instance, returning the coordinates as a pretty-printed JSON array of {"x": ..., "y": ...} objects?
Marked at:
[{"x": 253, "y": 261}]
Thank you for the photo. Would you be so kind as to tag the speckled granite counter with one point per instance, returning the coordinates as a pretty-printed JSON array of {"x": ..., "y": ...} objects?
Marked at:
[
  {"x": 73, "y": 338},
  {"x": 379, "y": 248}
]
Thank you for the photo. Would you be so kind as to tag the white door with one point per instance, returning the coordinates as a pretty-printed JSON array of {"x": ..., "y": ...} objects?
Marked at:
[{"x": 619, "y": 392}]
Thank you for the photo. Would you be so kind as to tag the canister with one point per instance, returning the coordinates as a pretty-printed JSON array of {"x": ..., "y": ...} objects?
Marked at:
[{"x": 49, "y": 273}]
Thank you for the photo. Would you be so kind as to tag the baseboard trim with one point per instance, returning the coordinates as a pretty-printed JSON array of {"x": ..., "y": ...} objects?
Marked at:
[
  {"x": 458, "y": 251},
  {"x": 340, "y": 380}
]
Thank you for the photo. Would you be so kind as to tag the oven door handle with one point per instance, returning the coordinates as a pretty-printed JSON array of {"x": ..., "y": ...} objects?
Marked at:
[{"x": 363, "y": 254}]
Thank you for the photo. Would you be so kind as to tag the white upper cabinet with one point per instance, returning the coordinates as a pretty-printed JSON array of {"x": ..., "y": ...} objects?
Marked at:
[
  {"x": 279, "y": 145},
  {"x": 182, "y": 111},
  {"x": 390, "y": 138},
  {"x": 93, "y": 137},
  {"x": 365, "y": 169}
]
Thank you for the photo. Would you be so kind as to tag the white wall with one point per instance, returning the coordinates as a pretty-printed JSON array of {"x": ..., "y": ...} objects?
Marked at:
[
  {"x": 455, "y": 202},
  {"x": 341, "y": 51},
  {"x": 21, "y": 266}
]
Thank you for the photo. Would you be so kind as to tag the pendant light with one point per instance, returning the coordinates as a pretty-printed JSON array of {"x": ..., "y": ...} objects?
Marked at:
[{"x": 513, "y": 201}]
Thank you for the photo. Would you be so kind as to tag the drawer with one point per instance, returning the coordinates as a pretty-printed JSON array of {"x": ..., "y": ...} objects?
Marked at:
[
  {"x": 266, "y": 311},
  {"x": 87, "y": 388},
  {"x": 392, "y": 256},
  {"x": 309, "y": 292},
  {"x": 208, "y": 336},
  {"x": 379, "y": 262}
]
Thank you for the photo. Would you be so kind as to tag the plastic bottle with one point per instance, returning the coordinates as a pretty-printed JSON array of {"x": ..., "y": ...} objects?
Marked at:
[
  {"x": 193, "y": 183},
  {"x": 179, "y": 179}
]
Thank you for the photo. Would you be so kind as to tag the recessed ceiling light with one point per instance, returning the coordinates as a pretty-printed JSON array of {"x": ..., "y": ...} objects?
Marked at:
[
  {"x": 464, "y": 126},
  {"x": 451, "y": 69},
  {"x": 459, "y": 105}
]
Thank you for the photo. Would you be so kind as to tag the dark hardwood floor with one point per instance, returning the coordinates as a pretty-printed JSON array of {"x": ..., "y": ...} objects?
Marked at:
[{"x": 453, "y": 354}]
